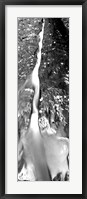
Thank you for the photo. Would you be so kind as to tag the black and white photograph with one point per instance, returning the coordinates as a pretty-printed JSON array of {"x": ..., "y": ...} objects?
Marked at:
[{"x": 43, "y": 99}]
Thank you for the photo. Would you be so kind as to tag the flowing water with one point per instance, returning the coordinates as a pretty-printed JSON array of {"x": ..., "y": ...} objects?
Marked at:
[{"x": 37, "y": 147}]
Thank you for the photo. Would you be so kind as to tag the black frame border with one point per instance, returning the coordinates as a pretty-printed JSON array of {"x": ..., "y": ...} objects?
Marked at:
[{"x": 2, "y": 97}]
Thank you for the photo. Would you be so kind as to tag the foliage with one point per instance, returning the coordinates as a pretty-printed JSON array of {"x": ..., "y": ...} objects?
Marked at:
[{"x": 53, "y": 72}]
